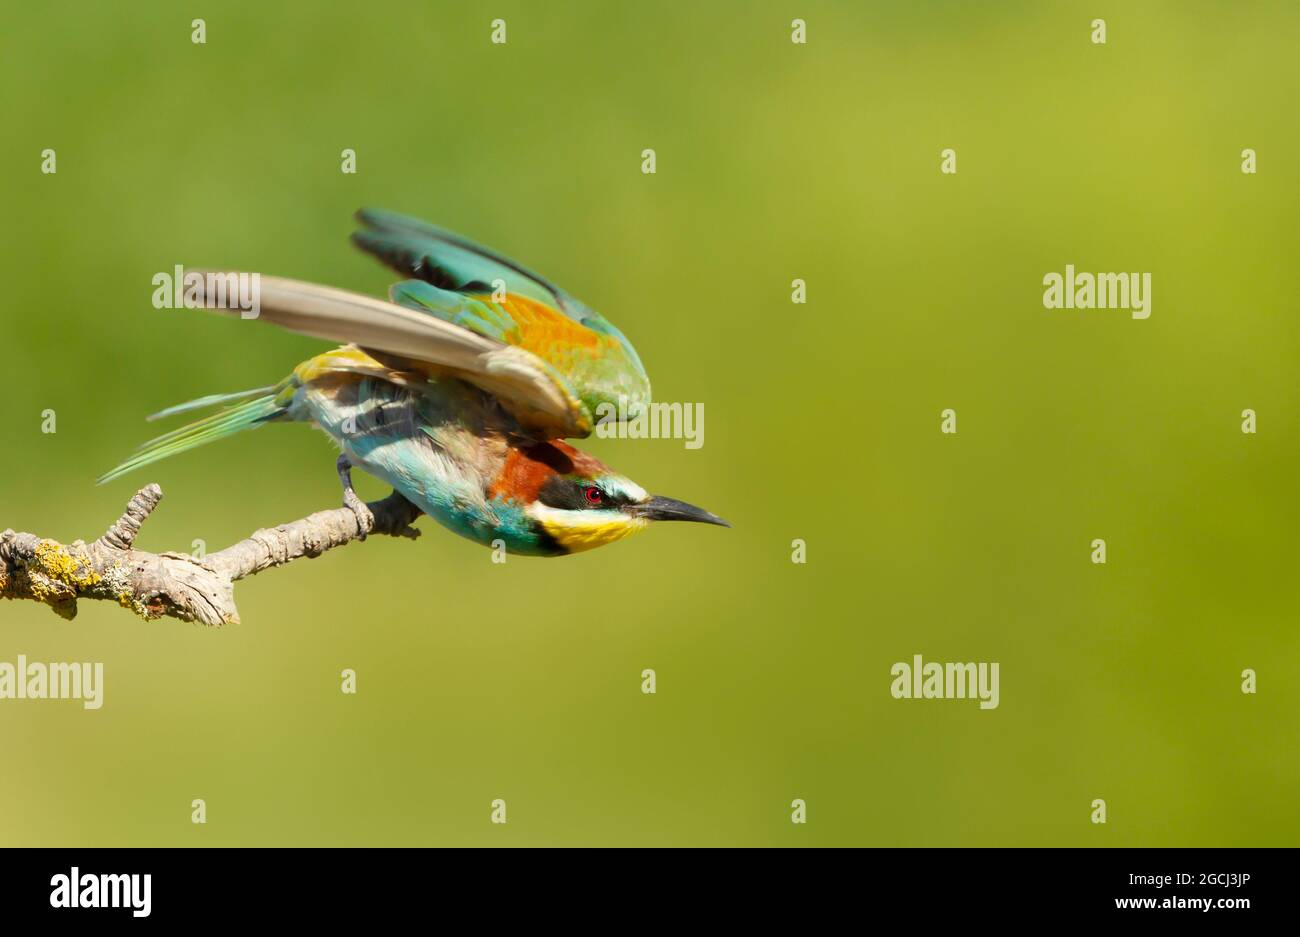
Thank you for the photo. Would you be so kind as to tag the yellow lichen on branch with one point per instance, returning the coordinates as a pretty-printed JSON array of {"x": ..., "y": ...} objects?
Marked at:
[
  {"x": 152, "y": 585},
  {"x": 56, "y": 576}
]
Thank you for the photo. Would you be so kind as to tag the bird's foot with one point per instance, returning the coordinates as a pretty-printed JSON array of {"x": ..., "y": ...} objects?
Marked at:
[
  {"x": 407, "y": 531},
  {"x": 365, "y": 519}
]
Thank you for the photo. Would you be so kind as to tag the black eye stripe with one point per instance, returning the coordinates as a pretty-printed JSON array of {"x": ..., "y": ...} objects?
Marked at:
[{"x": 578, "y": 495}]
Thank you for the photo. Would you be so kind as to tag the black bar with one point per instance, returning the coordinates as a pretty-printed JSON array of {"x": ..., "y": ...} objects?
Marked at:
[{"x": 213, "y": 886}]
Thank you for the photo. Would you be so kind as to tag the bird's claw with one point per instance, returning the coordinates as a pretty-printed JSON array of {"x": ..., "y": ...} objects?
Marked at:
[{"x": 365, "y": 518}]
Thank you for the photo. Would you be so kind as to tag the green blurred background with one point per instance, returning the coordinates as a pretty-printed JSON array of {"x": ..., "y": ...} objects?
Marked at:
[{"x": 775, "y": 161}]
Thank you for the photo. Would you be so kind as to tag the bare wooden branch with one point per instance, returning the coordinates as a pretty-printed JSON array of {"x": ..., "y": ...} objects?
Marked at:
[{"x": 176, "y": 584}]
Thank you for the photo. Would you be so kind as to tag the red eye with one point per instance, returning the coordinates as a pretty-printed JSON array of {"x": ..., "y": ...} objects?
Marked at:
[{"x": 593, "y": 495}]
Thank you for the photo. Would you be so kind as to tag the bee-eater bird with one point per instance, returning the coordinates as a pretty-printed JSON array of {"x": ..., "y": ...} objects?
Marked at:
[{"x": 459, "y": 392}]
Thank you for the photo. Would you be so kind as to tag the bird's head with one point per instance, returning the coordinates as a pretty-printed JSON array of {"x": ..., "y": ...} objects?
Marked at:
[{"x": 575, "y": 502}]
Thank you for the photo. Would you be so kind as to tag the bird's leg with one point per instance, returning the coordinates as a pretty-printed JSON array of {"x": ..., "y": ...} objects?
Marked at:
[{"x": 365, "y": 519}]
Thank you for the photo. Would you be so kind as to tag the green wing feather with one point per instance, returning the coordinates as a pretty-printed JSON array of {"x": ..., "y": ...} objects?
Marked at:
[
  {"x": 455, "y": 280},
  {"x": 447, "y": 260}
]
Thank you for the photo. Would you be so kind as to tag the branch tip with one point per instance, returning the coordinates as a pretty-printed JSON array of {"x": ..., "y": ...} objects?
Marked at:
[{"x": 121, "y": 536}]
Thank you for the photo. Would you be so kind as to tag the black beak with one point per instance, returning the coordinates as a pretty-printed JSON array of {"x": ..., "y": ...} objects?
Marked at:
[{"x": 670, "y": 509}]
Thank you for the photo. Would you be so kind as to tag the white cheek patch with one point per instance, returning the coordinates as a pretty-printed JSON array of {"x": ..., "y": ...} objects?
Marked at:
[
  {"x": 566, "y": 518},
  {"x": 625, "y": 487}
]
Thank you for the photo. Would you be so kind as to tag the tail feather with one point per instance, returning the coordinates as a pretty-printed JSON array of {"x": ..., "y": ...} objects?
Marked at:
[
  {"x": 248, "y": 415},
  {"x": 211, "y": 400}
]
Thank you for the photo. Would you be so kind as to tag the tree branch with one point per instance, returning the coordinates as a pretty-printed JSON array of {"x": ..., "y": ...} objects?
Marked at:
[{"x": 176, "y": 584}]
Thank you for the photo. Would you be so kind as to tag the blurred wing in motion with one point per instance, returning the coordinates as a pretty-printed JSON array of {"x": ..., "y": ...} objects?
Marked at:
[
  {"x": 530, "y": 388},
  {"x": 477, "y": 289}
]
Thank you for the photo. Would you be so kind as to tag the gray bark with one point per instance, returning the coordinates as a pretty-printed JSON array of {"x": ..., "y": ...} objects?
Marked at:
[{"x": 178, "y": 585}]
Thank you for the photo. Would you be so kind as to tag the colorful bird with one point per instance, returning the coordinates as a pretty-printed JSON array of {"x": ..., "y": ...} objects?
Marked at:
[{"x": 459, "y": 393}]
